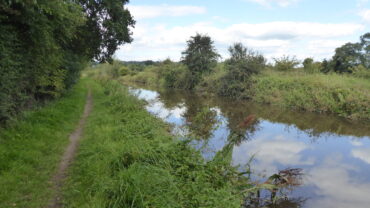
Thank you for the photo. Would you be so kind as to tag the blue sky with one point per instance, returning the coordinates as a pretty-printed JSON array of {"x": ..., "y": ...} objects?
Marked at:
[{"x": 301, "y": 28}]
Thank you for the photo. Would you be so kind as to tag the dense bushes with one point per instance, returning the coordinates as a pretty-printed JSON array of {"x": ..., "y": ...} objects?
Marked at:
[
  {"x": 44, "y": 45},
  {"x": 241, "y": 65}
]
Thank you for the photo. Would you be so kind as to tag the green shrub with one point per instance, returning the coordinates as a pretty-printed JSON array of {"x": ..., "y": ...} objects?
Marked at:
[
  {"x": 285, "y": 63},
  {"x": 123, "y": 71},
  {"x": 309, "y": 66},
  {"x": 242, "y": 64},
  {"x": 361, "y": 71}
]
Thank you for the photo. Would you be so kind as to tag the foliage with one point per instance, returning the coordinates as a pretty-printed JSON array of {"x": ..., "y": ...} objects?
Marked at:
[
  {"x": 346, "y": 96},
  {"x": 310, "y": 66},
  {"x": 352, "y": 54},
  {"x": 347, "y": 56},
  {"x": 200, "y": 57},
  {"x": 44, "y": 45},
  {"x": 107, "y": 26},
  {"x": 285, "y": 63},
  {"x": 242, "y": 63},
  {"x": 361, "y": 71}
]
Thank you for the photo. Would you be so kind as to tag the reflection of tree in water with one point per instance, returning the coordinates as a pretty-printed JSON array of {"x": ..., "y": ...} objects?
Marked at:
[
  {"x": 201, "y": 119},
  {"x": 203, "y": 123},
  {"x": 241, "y": 121},
  {"x": 171, "y": 98},
  {"x": 313, "y": 124}
]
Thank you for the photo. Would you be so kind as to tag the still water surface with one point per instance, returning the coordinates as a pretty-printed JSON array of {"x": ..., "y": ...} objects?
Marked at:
[{"x": 333, "y": 153}]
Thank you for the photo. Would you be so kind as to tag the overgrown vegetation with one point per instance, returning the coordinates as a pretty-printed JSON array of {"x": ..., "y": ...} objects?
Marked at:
[
  {"x": 128, "y": 159},
  {"x": 241, "y": 65},
  {"x": 344, "y": 95},
  {"x": 313, "y": 86},
  {"x": 44, "y": 45},
  {"x": 31, "y": 147}
]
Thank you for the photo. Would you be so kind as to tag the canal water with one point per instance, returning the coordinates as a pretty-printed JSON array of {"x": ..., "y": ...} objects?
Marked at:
[{"x": 332, "y": 153}]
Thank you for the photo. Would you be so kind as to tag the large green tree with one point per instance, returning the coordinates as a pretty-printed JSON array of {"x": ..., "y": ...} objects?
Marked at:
[
  {"x": 107, "y": 26},
  {"x": 200, "y": 57},
  {"x": 352, "y": 54}
]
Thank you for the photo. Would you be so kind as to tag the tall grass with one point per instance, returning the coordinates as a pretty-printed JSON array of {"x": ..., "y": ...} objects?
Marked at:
[
  {"x": 129, "y": 159},
  {"x": 31, "y": 148},
  {"x": 344, "y": 95}
]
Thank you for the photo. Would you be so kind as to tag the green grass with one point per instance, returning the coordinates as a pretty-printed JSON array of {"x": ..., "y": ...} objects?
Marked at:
[
  {"x": 128, "y": 158},
  {"x": 343, "y": 95},
  {"x": 31, "y": 148}
]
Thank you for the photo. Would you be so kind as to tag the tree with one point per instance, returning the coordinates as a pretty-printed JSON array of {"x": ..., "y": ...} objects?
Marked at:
[
  {"x": 351, "y": 55},
  {"x": 107, "y": 26},
  {"x": 242, "y": 63},
  {"x": 326, "y": 66},
  {"x": 200, "y": 57},
  {"x": 347, "y": 56}
]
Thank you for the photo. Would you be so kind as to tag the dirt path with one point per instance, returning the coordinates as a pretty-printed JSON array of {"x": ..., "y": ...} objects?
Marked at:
[{"x": 69, "y": 155}]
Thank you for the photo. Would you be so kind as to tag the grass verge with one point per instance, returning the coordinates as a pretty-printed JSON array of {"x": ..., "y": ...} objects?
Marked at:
[
  {"x": 128, "y": 158},
  {"x": 31, "y": 148},
  {"x": 343, "y": 95}
]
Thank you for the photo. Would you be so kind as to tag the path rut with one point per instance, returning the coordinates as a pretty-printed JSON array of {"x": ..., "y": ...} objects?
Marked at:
[{"x": 68, "y": 156}]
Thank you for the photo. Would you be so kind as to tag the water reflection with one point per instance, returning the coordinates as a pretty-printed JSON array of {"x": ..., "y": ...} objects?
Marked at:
[{"x": 333, "y": 153}]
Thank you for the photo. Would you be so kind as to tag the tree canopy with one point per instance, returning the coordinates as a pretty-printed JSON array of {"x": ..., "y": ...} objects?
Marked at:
[
  {"x": 200, "y": 56},
  {"x": 45, "y": 43},
  {"x": 352, "y": 54}
]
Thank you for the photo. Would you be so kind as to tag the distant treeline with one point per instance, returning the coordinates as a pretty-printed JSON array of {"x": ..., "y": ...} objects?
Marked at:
[{"x": 44, "y": 44}]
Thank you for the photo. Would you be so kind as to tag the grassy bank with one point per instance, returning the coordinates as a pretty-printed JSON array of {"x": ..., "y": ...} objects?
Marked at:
[
  {"x": 129, "y": 159},
  {"x": 344, "y": 95},
  {"x": 31, "y": 147}
]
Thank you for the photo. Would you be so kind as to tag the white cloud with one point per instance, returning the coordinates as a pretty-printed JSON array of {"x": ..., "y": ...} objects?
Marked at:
[
  {"x": 362, "y": 154},
  {"x": 365, "y": 14},
  {"x": 146, "y": 11},
  {"x": 269, "y": 3},
  {"x": 334, "y": 183},
  {"x": 220, "y": 19},
  {"x": 271, "y": 38},
  {"x": 362, "y": 3},
  {"x": 270, "y": 152}
]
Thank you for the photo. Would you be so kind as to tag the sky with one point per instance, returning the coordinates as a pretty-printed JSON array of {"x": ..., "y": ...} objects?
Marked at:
[{"x": 300, "y": 28}]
